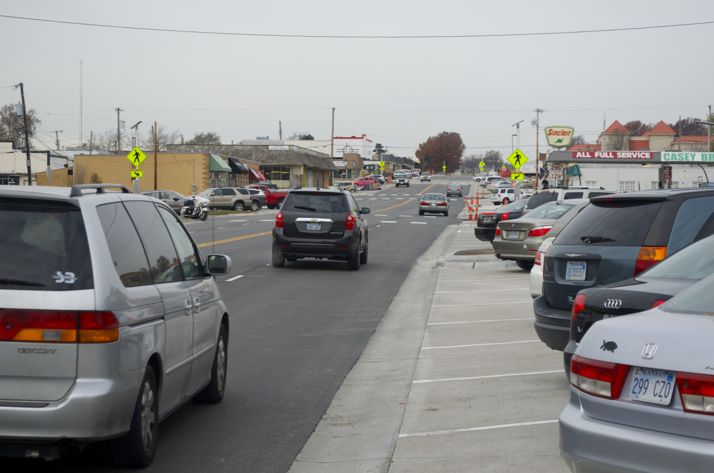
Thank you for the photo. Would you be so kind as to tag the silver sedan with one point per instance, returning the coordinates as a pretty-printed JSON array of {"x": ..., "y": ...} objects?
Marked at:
[
  {"x": 433, "y": 203},
  {"x": 642, "y": 394}
]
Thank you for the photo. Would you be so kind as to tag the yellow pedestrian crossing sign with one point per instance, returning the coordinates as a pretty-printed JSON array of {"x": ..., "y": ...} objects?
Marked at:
[
  {"x": 517, "y": 159},
  {"x": 481, "y": 165},
  {"x": 136, "y": 157},
  {"x": 517, "y": 176},
  {"x": 381, "y": 165},
  {"x": 443, "y": 168},
  {"x": 136, "y": 173}
]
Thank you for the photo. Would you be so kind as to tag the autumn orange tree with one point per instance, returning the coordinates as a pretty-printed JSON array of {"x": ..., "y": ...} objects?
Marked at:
[{"x": 444, "y": 148}]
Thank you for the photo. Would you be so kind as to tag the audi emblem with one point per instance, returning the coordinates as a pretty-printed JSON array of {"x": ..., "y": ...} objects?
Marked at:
[{"x": 612, "y": 304}]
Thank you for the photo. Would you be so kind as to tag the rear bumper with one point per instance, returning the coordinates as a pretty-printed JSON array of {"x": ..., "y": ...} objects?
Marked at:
[
  {"x": 435, "y": 209},
  {"x": 317, "y": 248},
  {"x": 551, "y": 325},
  {"x": 94, "y": 409},
  {"x": 592, "y": 446},
  {"x": 484, "y": 233},
  {"x": 514, "y": 250}
]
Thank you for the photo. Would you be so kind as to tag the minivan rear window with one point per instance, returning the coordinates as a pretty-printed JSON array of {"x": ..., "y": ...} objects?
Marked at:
[
  {"x": 321, "y": 202},
  {"x": 618, "y": 223},
  {"x": 540, "y": 198},
  {"x": 44, "y": 247}
]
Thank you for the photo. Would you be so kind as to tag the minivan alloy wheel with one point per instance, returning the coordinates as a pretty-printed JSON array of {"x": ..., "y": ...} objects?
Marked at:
[{"x": 148, "y": 416}]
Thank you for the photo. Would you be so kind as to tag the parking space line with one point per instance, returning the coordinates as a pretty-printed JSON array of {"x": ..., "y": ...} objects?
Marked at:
[
  {"x": 479, "y": 321},
  {"x": 523, "y": 288},
  {"x": 476, "y": 345},
  {"x": 478, "y": 429},
  {"x": 381, "y": 215},
  {"x": 488, "y": 376},
  {"x": 271, "y": 220},
  {"x": 406, "y": 216},
  {"x": 234, "y": 278},
  {"x": 387, "y": 221},
  {"x": 478, "y": 304},
  {"x": 418, "y": 223},
  {"x": 482, "y": 280}
]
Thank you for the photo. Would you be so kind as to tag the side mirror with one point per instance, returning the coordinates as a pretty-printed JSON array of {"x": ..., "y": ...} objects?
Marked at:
[
  {"x": 364, "y": 210},
  {"x": 219, "y": 264},
  {"x": 176, "y": 199}
]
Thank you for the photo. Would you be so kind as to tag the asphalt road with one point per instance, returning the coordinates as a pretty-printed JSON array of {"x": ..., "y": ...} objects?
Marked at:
[{"x": 295, "y": 334}]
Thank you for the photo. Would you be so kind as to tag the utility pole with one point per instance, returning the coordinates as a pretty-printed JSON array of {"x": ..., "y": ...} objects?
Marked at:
[
  {"x": 538, "y": 111},
  {"x": 280, "y": 130},
  {"x": 135, "y": 138},
  {"x": 91, "y": 141},
  {"x": 156, "y": 156},
  {"x": 57, "y": 143},
  {"x": 118, "y": 110},
  {"x": 27, "y": 134},
  {"x": 332, "y": 135},
  {"x": 81, "y": 104}
]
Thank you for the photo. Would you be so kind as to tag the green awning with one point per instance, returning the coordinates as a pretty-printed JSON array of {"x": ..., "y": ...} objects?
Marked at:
[{"x": 216, "y": 164}]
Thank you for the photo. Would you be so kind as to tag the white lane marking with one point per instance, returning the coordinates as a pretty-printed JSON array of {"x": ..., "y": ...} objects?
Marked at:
[
  {"x": 267, "y": 220},
  {"x": 484, "y": 304},
  {"x": 474, "y": 345},
  {"x": 522, "y": 288},
  {"x": 387, "y": 221},
  {"x": 463, "y": 322},
  {"x": 488, "y": 376},
  {"x": 406, "y": 194},
  {"x": 478, "y": 429},
  {"x": 406, "y": 216},
  {"x": 400, "y": 198},
  {"x": 418, "y": 223},
  {"x": 234, "y": 278},
  {"x": 412, "y": 198},
  {"x": 381, "y": 215},
  {"x": 483, "y": 280},
  {"x": 236, "y": 221},
  {"x": 393, "y": 194},
  {"x": 220, "y": 228}
]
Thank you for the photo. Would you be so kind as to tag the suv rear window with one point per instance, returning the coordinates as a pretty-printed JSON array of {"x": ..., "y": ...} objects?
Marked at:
[
  {"x": 619, "y": 223},
  {"x": 44, "y": 247},
  {"x": 321, "y": 202}
]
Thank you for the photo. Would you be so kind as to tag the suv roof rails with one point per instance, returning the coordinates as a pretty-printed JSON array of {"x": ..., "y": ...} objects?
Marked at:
[{"x": 100, "y": 188}]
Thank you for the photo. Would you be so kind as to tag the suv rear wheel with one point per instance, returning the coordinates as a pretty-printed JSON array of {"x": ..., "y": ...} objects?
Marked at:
[
  {"x": 363, "y": 255},
  {"x": 239, "y": 205},
  {"x": 525, "y": 265},
  {"x": 216, "y": 388},
  {"x": 255, "y": 206},
  {"x": 278, "y": 258},
  {"x": 353, "y": 260}
]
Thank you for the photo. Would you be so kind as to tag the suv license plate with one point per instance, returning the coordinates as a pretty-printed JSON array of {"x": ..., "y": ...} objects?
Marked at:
[
  {"x": 512, "y": 235},
  {"x": 575, "y": 270},
  {"x": 655, "y": 386},
  {"x": 314, "y": 227}
]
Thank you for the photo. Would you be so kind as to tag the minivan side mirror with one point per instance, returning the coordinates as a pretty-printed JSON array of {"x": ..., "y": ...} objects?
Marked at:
[
  {"x": 364, "y": 210},
  {"x": 219, "y": 264}
]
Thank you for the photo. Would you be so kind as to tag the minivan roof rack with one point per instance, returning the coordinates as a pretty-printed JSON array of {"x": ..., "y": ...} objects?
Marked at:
[{"x": 100, "y": 188}]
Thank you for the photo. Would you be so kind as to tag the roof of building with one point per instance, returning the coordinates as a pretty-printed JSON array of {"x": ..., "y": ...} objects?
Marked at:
[
  {"x": 585, "y": 147},
  {"x": 661, "y": 128},
  {"x": 616, "y": 128},
  {"x": 264, "y": 153}
]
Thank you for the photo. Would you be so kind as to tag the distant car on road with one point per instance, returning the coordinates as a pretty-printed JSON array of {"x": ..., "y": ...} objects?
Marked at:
[
  {"x": 236, "y": 198},
  {"x": 320, "y": 224},
  {"x": 425, "y": 177},
  {"x": 346, "y": 186},
  {"x": 402, "y": 179},
  {"x": 273, "y": 196},
  {"x": 173, "y": 199},
  {"x": 366, "y": 183},
  {"x": 566, "y": 193},
  {"x": 454, "y": 190},
  {"x": 433, "y": 203}
]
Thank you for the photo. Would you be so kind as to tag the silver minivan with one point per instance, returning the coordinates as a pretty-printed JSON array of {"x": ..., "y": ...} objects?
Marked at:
[{"x": 109, "y": 320}]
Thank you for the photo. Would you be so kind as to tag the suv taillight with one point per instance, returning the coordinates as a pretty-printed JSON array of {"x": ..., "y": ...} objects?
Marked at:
[
  {"x": 498, "y": 231},
  {"x": 539, "y": 231},
  {"x": 350, "y": 222},
  {"x": 599, "y": 378},
  {"x": 578, "y": 305},
  {"x": 279, "y": 220},
  {"x": 697, "y": 392},
  {"x": 648, "y": 257},
  {"x": 58, "y": 326},
  {"x": 504, "y": 216}
]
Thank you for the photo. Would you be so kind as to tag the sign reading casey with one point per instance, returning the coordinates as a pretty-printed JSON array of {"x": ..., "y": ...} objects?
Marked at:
[
  {"x": 685, "y": 157},
  {"x": 559, "y": 136},
  {"x": 643, "y": 155}
]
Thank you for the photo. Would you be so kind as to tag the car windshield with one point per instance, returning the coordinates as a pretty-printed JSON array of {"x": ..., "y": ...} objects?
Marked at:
[
  {"x": 552, "y": 210},
  {"x": 694, "y": 262},
  {"x": 515, "y": 206},
  {"x": 318, "y": 202},
  {"x": 697, "y": 299}
]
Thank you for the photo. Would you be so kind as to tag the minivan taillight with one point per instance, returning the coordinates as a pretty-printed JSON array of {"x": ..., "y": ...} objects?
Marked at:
[
  {"x": 350, "y": 222},
  {"x": 539, "y": 231},
  {"x": 279, "y": 220},
  {"x": 599, "y": 378},
  {"x": 697, "y": 392},
  {"x": 58, "y": 326},
  {"x": 648, "y": 257},
  {"x": 504, "y": 216},
  {"x": 578, "y": 305}
]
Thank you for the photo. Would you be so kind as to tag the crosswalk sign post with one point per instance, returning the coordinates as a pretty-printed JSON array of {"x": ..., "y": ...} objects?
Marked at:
[
  {"x": 481, "y": 166},
  {"x": 517, "y": 160},
  {"x": 136, "y": 156},
  {"x": 443, "y": 168},
  {"x": 381, "y": 165}
]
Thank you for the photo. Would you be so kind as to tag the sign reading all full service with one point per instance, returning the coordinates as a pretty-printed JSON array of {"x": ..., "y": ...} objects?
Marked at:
[
  {"x": 559, "y": 136},
  {"x": 687, "y": 157},
  {"x": 633, "y": 155}
]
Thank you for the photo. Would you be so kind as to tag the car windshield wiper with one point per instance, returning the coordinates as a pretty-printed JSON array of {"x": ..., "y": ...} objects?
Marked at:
[
  {"x": 596, "y": 239},
  {"x": 19, "y": 282},
  {"x": 304, "y": 208}
]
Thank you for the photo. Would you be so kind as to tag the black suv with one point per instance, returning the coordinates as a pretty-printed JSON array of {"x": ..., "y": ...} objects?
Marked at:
[
  {"x": 487, "y": 221},
  {"x": 615, "y": 238},
  {"x": 320, "y": 224}
]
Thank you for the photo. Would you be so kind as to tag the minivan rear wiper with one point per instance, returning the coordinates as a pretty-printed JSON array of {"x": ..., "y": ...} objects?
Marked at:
[
  {"x": 596, "y": 239},
  {"x": 19, "y": 282},
  {"x": 304, "y": 208}
]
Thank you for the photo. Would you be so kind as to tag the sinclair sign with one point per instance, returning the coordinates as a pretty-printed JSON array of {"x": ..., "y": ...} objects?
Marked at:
[{"x": 559, "y": 136}]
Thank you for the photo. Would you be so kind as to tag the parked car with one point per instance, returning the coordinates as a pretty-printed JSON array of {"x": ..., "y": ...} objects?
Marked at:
[
  {"x": 236, "y": 198},
  {"x": 173, "y": 199},
  {"x": 346, "y": 186},
  {"x": 490, "y": 179},
  {"x": 648, "y": 289},
  {"x": 535, "y": 280},
  {"x": 259, "y": 195},
  {"x": 434, "y": 203},
  {"x": 320, "y": 224},
  {"x": 518, "y": 240},
  {"x": 379, "y": 178},
  {"x": 641, "y": 390},
  {"x": 273, "y": 196},
  {"x": 554, "y": 194},
  {"x": 101, "y": 294},
  {"x": 487, "y": 220},
  {"x": 615, "y": 238},
  {"x": 454, "y": 190},
  {"x": 402, "y": 179},
  {"x": 366, "y": 183},
  {"x": 425, "y": 177}
]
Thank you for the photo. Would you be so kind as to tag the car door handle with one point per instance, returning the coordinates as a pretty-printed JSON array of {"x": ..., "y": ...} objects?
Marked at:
[
  {"x": 196, "y": 305},
  {"x": 188, "y": 307}
]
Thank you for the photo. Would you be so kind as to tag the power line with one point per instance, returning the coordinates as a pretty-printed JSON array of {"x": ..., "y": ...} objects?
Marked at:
[{"x": 324, "y": 36}]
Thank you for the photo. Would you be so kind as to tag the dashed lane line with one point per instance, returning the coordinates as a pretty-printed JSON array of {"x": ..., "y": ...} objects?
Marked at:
[
  {"x": 234, "y": 278},
  {"x": 487, "y": 321}
]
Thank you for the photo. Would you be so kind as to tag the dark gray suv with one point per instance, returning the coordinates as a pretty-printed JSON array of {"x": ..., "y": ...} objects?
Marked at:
[
  {"x": 320, "y": 224},
  {"x": 615, "y": 238}
]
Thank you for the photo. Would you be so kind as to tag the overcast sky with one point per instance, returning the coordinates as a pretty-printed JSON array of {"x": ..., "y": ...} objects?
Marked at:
[{"x": 397, "y": 91}]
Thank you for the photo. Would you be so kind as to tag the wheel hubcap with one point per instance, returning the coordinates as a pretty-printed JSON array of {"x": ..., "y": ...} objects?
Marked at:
[{"x": 148, "y": 416}]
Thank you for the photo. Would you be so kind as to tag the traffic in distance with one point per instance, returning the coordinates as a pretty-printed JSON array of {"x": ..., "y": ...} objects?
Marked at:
[{"x": 119, "y": 309}]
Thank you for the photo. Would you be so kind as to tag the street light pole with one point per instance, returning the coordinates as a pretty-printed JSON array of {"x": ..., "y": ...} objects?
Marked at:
[{"x": 27, "y": 134}]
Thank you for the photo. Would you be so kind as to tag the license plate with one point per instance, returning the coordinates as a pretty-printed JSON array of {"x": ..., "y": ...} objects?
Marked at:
[
  {"x": 487, "y": 219},
  {"x": 314, "y": 227},
  {"x": 512, "y": 235},
  {"x": 655, "y": 386},
  {"x": 575, "y": 270},
  {"x": 433, "y": 204}
]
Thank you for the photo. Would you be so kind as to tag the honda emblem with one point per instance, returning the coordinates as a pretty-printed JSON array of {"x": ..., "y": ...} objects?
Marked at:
[{"x": 649, "y": 351}]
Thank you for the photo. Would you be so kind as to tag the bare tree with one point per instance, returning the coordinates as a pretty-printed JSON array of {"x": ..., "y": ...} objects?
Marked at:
[{"x": 12, "y": 127}]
